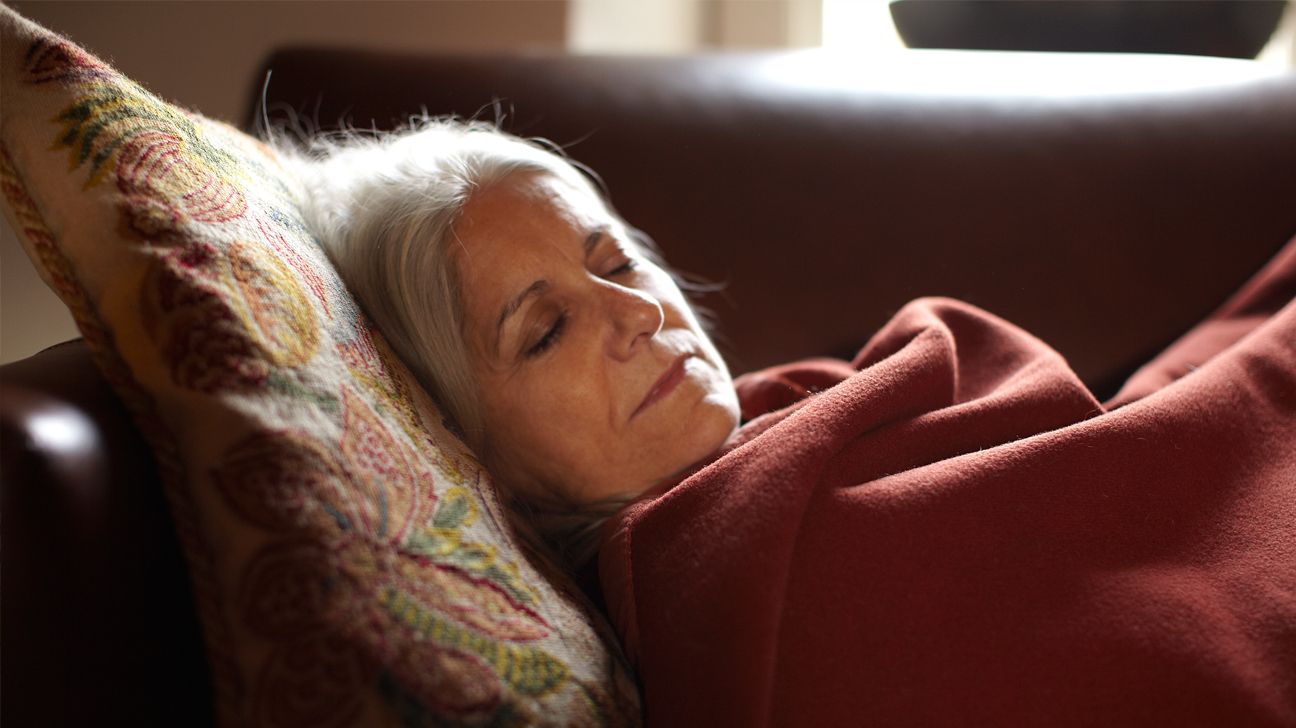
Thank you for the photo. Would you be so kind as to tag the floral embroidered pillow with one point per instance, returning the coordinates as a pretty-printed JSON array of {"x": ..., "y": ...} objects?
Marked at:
[{"x": 348, "y": 555}]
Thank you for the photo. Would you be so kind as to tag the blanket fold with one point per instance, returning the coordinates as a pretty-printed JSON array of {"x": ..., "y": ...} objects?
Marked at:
[{"x": 951, "y": 529}]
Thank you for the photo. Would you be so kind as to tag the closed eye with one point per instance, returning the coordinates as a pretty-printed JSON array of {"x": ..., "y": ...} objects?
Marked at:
[
  {"x": 549, "y": 338},
  {"x": 622, "y": 269}
]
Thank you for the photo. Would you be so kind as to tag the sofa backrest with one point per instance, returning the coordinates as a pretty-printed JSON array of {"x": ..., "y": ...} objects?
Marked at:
[{"x": 1105, "y": 203}]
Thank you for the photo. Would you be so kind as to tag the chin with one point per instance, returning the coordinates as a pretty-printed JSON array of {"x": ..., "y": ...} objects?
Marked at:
[{"x": 713, "y": 424}]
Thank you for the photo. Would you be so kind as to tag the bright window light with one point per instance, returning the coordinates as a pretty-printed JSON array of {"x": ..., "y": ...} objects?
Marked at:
[{"x": 860, "y": 26}]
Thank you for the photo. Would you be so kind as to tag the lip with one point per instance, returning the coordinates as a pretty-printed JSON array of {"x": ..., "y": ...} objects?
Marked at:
[{"x": 665, "y": 384}]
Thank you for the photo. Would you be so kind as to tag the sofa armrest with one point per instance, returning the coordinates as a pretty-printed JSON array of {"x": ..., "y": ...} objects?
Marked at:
[{"x": 98, "y": 615}]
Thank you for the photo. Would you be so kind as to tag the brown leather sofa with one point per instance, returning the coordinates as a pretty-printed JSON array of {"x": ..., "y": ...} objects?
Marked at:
[{"x": 1104, "y": 208}]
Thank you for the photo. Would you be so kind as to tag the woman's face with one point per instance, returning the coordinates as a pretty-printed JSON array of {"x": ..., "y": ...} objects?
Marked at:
[{"x": 594, "y": 376}]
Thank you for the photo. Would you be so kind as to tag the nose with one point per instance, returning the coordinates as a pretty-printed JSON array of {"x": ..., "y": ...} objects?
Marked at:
[{"x": 635, "y": 318}]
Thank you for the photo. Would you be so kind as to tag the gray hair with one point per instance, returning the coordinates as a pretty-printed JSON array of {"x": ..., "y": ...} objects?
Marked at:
[{"x": 384, "y": 208}]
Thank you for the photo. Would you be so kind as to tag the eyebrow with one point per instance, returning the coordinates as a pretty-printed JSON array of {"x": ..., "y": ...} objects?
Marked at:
[
  {"x": 539, "y": 287},
  {"x": 511, "y": 308},
  {"x": 592, "y": 240}
]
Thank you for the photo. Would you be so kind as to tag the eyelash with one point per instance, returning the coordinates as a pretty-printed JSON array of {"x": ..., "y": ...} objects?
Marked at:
[
  {"x": 560, "y": 324},
  {"x": 625, "y": 267},
  {"x": 550, "y": 337}
]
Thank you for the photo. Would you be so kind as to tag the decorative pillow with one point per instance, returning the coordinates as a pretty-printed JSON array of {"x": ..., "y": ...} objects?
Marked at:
[{"x": 347, "y": 552}]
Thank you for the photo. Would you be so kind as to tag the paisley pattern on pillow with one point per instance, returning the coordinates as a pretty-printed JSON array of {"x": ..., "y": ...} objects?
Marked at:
[{"x": 350, "y": 556}]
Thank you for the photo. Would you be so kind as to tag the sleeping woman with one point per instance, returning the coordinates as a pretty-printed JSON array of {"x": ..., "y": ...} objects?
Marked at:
[
  {"x": 543, "y": 324},
  {"x": 948, "y": 529}
]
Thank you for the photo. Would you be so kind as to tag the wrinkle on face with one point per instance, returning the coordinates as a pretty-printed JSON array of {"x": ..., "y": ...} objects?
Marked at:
[{"x": 562, "y": 419}]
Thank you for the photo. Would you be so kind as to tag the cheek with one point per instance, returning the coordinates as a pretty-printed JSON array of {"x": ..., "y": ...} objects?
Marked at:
[
  {"x": 548, "y": 415},
  {"x": 660, "y": 284},
  {"x": 675, "y": 306}
]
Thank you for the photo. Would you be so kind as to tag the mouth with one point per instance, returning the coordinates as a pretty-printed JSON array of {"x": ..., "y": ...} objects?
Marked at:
[{"x": 665, "y": 384}]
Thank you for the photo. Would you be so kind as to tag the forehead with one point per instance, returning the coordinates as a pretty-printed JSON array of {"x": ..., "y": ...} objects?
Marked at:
[
  {"x": 523, "y": 214},
  {"x": 521, "y": 229}
]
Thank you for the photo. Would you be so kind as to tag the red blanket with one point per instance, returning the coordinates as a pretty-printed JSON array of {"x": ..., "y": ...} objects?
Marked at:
[{"x": 954, "y": 531}]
